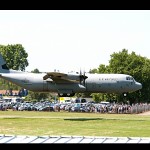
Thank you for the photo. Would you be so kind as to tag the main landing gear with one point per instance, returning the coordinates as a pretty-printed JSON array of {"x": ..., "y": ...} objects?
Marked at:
[{"x": 66, "y": 94}]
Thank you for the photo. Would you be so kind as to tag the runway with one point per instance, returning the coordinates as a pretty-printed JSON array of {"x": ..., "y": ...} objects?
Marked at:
[{"x": 71, "y": 139}]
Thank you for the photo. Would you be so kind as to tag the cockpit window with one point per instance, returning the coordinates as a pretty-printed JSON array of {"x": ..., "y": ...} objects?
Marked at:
[{"x": 129, "y": 78}]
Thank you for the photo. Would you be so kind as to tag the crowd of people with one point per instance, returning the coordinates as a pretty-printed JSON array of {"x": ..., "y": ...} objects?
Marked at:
[{"x": 91, "y": 107}]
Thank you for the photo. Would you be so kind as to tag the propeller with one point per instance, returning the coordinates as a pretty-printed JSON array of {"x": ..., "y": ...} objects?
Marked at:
[{"x": 82, "y": 77}]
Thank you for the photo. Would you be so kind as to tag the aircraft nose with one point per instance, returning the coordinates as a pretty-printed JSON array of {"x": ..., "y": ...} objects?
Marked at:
[{"x": 138, "y": 85}]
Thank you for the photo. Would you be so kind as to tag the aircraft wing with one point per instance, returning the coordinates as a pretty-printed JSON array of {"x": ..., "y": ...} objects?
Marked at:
[
  {"x": 58, "y": 77},
  {"x": 54, "y": 75}
]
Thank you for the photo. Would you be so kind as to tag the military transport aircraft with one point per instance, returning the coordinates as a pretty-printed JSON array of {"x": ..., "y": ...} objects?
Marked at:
[{"x": 67, "y": 84}]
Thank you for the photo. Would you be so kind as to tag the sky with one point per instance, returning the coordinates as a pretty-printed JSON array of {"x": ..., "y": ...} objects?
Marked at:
[{"x": 74, "y": 40}]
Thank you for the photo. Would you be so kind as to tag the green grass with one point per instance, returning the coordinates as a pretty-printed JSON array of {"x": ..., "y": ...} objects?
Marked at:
[{"x": 75, "y": 124}]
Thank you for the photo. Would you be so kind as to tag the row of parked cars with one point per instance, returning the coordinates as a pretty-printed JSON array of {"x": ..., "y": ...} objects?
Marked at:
[
  {"x": 47, "y": 106},
  {"x": 103, "y": 107}
]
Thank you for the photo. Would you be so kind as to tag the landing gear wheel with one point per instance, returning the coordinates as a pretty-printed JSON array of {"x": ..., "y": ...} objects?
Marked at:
[{"x": 66, "y": 94}]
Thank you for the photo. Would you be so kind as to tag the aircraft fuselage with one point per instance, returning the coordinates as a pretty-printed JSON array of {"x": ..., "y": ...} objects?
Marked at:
[{"x": 95, "y": 83}]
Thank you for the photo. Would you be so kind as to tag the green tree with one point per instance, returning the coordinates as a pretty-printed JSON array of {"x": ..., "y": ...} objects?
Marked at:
[
  {"x": 136, "y": 66},
  {"x": 15, "y": 56},
  {"x": 35, "y": 71},
  {"x": 93, "y": 70}
]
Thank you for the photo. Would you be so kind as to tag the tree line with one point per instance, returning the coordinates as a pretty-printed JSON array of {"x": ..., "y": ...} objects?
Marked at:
[{"x": 120, "y": 62}]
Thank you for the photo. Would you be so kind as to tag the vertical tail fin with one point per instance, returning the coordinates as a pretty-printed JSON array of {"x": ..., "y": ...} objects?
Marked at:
[{"x": 3, "y": 66}]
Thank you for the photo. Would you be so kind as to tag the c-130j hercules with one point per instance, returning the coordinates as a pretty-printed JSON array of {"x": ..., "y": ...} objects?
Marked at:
[{"x": 67, "y": 84}]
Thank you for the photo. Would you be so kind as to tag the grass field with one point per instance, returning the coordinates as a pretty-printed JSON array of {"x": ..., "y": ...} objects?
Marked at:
[{"x": 75, "y": 124}]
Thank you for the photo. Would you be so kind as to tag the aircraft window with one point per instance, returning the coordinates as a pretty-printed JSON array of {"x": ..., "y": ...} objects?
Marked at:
[{"x": 129, "y": 78}]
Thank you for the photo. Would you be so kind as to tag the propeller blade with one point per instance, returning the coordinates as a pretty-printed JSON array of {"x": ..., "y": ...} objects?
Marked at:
[{"x": 82, "y": 77}]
